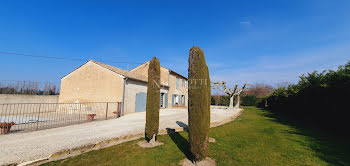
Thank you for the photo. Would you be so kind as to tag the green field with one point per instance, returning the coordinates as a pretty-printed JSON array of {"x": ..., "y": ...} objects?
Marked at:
[{"x": 257, "y": 137}]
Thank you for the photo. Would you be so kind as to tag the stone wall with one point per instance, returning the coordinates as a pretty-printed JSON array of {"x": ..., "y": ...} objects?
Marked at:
[
  {"x": 131, "y": 89},
  {"x": 91, "y": 83},
  {"x": 15, "y": 98}
]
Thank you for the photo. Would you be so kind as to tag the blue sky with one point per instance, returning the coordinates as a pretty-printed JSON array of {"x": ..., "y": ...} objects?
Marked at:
[{"x": 244, "y": 41}]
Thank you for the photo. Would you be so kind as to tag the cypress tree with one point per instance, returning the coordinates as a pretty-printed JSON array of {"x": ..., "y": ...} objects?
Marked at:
[
  {"x": 153, "y": 100},
  {"x": 199, "y": 97}
]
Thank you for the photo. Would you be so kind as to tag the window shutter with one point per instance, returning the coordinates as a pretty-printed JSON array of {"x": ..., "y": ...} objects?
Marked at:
[
  {"x": 180, "y": 103},
  {"x": 184, "y": 100},
  {"x": 166, "y": 100},
  {"x": 173, "y": 99}
]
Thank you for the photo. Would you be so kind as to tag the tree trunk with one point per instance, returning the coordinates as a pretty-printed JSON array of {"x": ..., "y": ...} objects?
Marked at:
[
  {"x": 153, "y": 140},
  {"x": 237, "y": 102},
  {"x": 231, "y": 103}
]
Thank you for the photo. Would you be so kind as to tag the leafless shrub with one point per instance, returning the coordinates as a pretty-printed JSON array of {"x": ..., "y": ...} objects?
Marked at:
[
  {"x": 259, "y": 90},
  {"x": 28, "y": 87}
]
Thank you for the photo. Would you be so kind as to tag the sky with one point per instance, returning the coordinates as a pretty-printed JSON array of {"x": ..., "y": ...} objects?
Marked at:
[{"x": 244, "y": 41}]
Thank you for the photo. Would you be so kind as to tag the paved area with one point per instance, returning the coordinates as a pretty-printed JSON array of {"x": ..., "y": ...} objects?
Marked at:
[{"x": 23, "y": 147}]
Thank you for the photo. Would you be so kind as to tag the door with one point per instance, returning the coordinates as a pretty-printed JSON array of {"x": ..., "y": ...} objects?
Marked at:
[{"x": 140, "y": 102}]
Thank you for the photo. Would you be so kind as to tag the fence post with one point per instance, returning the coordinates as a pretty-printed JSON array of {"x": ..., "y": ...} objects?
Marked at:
[
  {"x": 106, "y": 110},
  {"x": 79, "y": 112},
  {"x": 119, "y": 109},
  {"x": 37, "y": 122}
]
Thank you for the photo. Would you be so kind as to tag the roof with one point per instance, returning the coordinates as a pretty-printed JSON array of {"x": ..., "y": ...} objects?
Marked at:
[
  {"x": 128, "y": 74},
  {"x": 122, "y": 72},
  {"x": 125, "y": 73},
  {"x": 171, "y": 71}
]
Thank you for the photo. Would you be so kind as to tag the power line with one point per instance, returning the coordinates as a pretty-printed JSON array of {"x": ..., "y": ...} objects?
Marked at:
[{"x": 60, "y": 58}]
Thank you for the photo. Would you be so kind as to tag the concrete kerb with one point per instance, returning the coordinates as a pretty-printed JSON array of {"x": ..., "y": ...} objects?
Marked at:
[{"x": 62, "y": 154}]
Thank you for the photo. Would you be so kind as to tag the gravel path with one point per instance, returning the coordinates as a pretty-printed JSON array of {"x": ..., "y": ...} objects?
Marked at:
[{"x": 23, "y": 147}]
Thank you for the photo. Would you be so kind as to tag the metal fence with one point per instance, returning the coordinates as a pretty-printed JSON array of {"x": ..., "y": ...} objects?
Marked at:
[{"x": 21, "y": 117}]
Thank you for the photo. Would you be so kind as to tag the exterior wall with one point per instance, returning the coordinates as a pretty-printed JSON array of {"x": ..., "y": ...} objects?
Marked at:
[
  {"x": 182, "y": 90},
  {"x": 143, "y": 70},
  {"x": 131, "y": 89},
  {"x": 14, "y": 98},
  {"x": 91, "y": 83},
  {"x": 167, "y": 79}
]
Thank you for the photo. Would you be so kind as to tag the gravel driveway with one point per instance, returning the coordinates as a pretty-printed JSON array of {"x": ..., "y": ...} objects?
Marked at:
[{"x": 23, "y": 147}]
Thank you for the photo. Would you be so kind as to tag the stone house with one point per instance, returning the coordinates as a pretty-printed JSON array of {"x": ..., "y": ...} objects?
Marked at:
[{"x": 98, "y": 82}]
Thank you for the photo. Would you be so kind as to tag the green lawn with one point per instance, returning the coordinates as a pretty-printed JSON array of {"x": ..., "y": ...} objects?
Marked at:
[{"x": 257, "y": 137}]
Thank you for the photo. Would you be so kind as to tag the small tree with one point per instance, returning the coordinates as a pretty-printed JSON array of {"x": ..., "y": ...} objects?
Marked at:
[
  {"x": 199, "y": 98},
  {"x": 153, "y": 100},
  {"x": 236, "y": 92},
  {"x": 238, "y": 96}
]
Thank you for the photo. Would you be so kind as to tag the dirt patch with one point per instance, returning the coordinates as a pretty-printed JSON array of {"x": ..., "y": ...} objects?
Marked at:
[
  {"x": 212, "y": 140},
  {"x": 145, "y": 144},
  {"x": 207, "y": 162}
]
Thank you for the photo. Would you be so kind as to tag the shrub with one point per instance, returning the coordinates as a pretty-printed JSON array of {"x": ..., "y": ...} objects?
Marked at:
[
  {"x": 153, "y": 100},
  {"x": 199, "y": 95},
  {"x": 225, "y": 100},
  {"x": 212, "y": 101},
  {"x": 249, "y": 100},
  {"x": 221, "y": 100},
  {"x": 319, "y": 99}
]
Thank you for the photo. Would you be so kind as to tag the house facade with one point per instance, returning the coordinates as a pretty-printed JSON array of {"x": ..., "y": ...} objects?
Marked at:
[{"x": 98, "y": 82}]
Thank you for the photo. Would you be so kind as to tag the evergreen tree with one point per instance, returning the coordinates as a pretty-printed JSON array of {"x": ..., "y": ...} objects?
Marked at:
[
  {"x": 199, "y": 98},
  {"x": 153, "y": 100}
]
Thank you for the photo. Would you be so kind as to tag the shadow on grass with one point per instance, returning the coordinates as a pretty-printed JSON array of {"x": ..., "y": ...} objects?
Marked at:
[
  {"x": 180, "y": 142},
  {"x": 327, "y": 146}
]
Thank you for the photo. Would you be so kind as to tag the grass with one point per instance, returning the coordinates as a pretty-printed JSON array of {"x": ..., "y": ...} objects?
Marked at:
[{"x": 257, "y": 137}]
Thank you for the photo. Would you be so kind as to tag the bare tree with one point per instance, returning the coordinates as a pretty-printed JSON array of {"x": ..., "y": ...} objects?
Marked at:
[
  {"x": 238, "y": 96},
  {"x": 259, "y": 90},
  {"x": 221, "y": 85},
  {"x": 28, "y": 87}
]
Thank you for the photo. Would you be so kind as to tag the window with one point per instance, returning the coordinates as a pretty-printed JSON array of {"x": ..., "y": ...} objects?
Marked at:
[
  {"x": 183, "y": 83},
  {"x": 177, "y": 83},
  {"x": 161, "y": 100}
]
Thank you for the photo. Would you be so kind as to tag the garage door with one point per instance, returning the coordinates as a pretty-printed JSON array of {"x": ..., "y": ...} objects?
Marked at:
[{"x": 140, "y": 103}]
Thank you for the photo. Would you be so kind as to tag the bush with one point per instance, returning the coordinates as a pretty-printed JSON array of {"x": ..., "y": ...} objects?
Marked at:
[
  {"x": 319, "y": 99},
  {"x": 212, "y": 101},
  {"x": 224, "y": 100},
  {"x": 153, "y": 100},
  {"x": 261, "y": 102},
  {"x": 249, "y": 100},
  {"x": 199, "y": 95}
]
